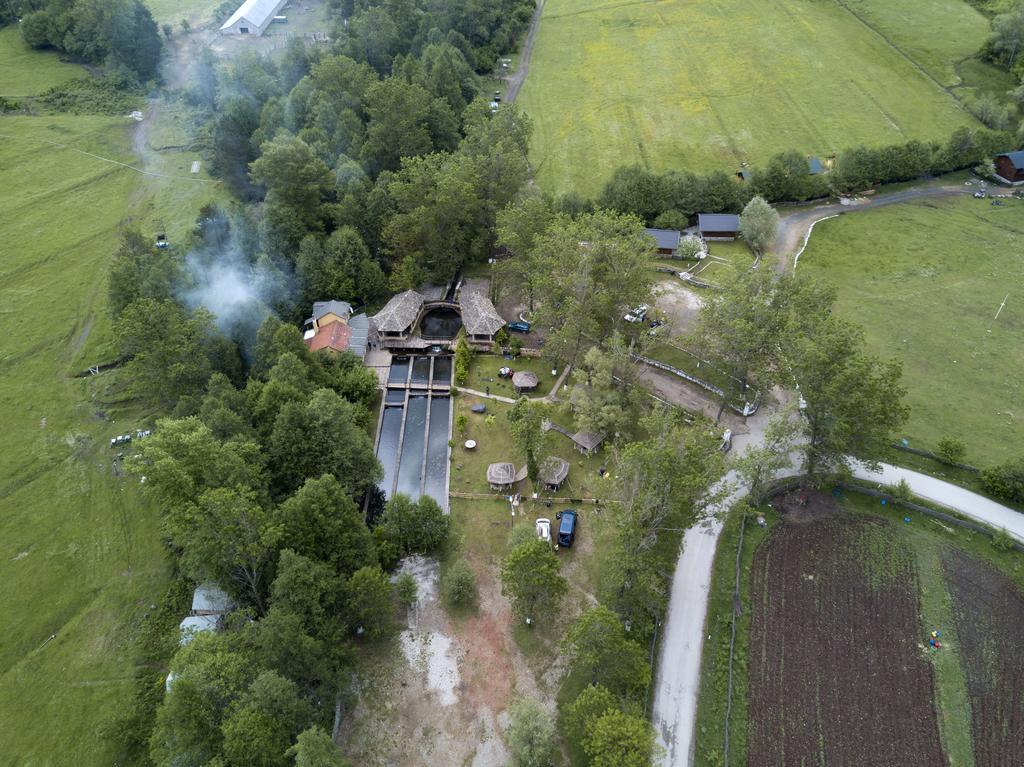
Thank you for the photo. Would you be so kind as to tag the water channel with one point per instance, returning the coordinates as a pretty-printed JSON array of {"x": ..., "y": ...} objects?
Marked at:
[{"x": 415, "y": 427}]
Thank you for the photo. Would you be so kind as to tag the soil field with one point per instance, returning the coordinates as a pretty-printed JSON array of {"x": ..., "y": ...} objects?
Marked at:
[
  {"x": 989, "y": 613},
  {"x": 836, "y": 676}
]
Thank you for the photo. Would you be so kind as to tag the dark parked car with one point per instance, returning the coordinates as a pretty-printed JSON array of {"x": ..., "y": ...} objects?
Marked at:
[
  {"x": 566, "y": 527},
  {"x": 519, "y": 327}
]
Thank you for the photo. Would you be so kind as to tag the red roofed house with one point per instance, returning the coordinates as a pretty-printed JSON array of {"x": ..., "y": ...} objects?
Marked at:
[{"x": 333, "y": 328}]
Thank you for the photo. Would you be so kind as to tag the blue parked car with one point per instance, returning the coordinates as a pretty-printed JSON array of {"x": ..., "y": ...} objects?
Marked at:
[
  {"x": 519, "y": 326},
  {"x": 566, "y": 527}
]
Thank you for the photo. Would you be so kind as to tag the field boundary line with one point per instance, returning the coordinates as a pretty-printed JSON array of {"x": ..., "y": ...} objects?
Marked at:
[
  {"x": 807, "y": 238},
  {"x": 115, "y": 162},
  {"x": 913, "y": 62},
  {"x": 736, "y": 604}
]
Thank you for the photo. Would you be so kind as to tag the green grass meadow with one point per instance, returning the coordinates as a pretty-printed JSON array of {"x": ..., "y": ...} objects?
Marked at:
[
  {"x": 81, "y": 557},
  {"x": 25, "y": 71},
  {"x": 926, "y": 280},
  {"x": 702, "y": 86}
]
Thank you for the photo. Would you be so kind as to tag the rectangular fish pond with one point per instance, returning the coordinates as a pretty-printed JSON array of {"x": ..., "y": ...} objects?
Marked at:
[{"x": 415, "y": 428}]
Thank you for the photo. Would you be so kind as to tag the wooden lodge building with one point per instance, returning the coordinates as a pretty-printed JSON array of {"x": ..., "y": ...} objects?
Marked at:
[{"x": 1010, "y": 167}]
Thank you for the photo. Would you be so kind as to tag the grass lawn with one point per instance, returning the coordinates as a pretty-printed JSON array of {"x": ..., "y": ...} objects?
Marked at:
[
  {"x": 926, "y": 281},
  {"x": 494, "y": 445},
  {"x": 173, "y": 11},
  {"x": 24, "y": 71},
  {"x": 483, "y": 374},
  {"x": 685, "y": 84},
  {"x": 928, "y": 540}
]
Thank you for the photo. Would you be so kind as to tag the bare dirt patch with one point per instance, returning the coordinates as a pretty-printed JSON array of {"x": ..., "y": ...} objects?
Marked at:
[
  {"x": 989, "y": 613},
  {"x": 441, "y": 696},
  {"x": 836, "y": 676},
  {"x": 680, "y": 305}
]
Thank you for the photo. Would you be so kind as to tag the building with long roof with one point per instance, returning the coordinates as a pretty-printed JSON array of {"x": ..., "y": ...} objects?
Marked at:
[{"x": 252, "y": 17}]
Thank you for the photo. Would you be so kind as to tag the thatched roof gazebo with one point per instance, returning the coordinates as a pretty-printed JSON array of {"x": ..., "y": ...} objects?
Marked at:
[
  {"x": 587, "y": 442},
  {"x": 553, "y": 472},
  {"x": 501, "y": 476},
  {"x": 524, "y": 380}
]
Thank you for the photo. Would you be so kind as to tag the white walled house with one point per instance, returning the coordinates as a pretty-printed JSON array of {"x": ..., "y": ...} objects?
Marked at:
[{"x": 252, "y": 17}]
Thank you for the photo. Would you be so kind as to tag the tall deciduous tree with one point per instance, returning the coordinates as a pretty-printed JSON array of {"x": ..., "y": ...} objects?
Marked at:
[
  {"x": 368, "y": 602},
  {"x": 609, "y": 393},
  {"x": 530, "y": 735},
  {"x": 322, "y": 436},
  {"x": 527, "y": 429},
  {"x": 597, "y": 646},
  {"x": 321, "y": 521},
  {"x": 589, "y": 272},
  {"x": 315, "y": 748},
  {"x": 530, "y": 578},
  {"x": 851, "y": 400},
  {"x": 228, "y": 536},
  {"x": 619, "y": 740},
  {"x": 759, "y": 223},
  {"x": 166, "y": 349},
  {"x": 296, "y": 181},
  {"x": 414, "y": 526}
]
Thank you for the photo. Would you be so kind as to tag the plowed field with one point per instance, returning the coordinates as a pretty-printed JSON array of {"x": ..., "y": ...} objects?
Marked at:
[
  {"x": 836, "y": 674},
  {"x": 989, "y": 612}
]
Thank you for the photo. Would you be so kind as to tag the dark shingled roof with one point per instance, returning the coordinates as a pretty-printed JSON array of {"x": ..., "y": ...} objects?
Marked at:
[
  {"x": 360, "y": 327},
  {"x": 667, "y": 239},
  {"x": 1017, "y": 158},
  {"x": 718, "y": 222},
  {"x": 341, "y": 308}
]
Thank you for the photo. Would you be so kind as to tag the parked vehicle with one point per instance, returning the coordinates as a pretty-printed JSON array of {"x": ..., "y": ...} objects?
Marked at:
[
  {"x": 980, "y": 195},
  {"x": 505, "y": 372},
  {"x": 519, "y": 327},
  {"x": 637, "y": 314},
  {"x": 654, "y": 326},
  {"x": 543, "y": 527},
  {"x": 567, "y": 527}
]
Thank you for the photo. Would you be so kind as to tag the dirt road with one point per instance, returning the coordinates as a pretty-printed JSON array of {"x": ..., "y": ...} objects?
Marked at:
[
  {"x": 793, "y": 227},
  {"x": 517, "y": 78}
]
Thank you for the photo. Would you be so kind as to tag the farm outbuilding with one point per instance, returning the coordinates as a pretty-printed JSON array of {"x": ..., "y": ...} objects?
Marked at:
[
  {"x": 252, "y": 17},
  {"x": 667, "y": 241},
  {"x": 553, "y": 472},
  {"x": 718, "y": 226},
  {"x": 1010, "y": 167},
  {"x": 587, "y": 442},
  {"x": 524, "y": 380}
]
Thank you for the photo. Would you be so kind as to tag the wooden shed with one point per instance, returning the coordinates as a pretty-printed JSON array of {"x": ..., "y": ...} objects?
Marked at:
[
  {"x": 1010, "y": 167},
  {"x": 667, "y": 241},
  {"x": 718, "y": 226}
]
